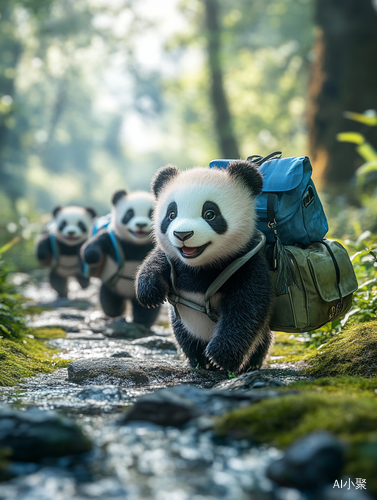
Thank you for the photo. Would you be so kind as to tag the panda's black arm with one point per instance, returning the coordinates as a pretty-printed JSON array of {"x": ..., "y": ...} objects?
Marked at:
[
  {"x": 44, "y": 250},
  {"x": 153, "y": 279},
  {"x": 245, "y": 309},
  {"x": 92, "y": 250}
]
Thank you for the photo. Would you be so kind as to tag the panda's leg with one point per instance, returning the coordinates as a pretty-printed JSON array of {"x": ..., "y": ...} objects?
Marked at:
[
  {"x": 59, "y": 283},
  {"x": 112, "y": 304},
  {"x": 143, "y": 315},
  {"x": 192, "y": 347},
  {"x": 265, "y": 342},
  {"x": 83, "y": 281}
]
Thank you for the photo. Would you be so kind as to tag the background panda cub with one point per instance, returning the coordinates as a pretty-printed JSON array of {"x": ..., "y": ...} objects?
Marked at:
[
  {"x": 119, "y": 250},
  {"x": 59, "y": 246},
  {"x": 204, "y": 219}
]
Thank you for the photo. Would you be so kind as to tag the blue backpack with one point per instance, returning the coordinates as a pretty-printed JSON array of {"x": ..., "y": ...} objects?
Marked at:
[{"x": 288, "y": 207}]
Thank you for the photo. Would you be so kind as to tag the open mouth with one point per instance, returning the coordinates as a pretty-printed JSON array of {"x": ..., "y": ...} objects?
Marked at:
[
  {"x": 139, "y": 234},
  {"x": 72, "y": 238},
  {"x": 192, "y": 252}
]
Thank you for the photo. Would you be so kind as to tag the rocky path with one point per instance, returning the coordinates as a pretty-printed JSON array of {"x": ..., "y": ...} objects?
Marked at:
[{"x": 128, "y": 419}]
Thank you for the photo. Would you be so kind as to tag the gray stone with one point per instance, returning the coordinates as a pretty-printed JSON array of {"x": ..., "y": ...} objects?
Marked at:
[
  {"x": 120, "y": 329},
  {"x": 121, "y": 354},
  {"x": 164, "y": 407},
  {"x": 309, "y": 463},
  {"x": 34, "y": 434},
  {"x": 155, "y": 342},
  {"x": 137, "y": 373}
]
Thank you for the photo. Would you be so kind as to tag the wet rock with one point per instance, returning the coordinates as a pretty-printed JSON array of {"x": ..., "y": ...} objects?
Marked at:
[
  {"x": 35, "y": 434},
  {"x": 309, "y": 463},
  {"x": 137, "y": 373},
  {"x": 72, "y": 315},
  {"x": 207, "y": 402},
  {"x": 164, "y": 407},
  {"x": 121, "y": 329},
  {"x": 255, "y": 379},
  {"x": 121, "y": 354},
  {"x": 155, "y": 342},
  {"x": 101, "y": 393}
]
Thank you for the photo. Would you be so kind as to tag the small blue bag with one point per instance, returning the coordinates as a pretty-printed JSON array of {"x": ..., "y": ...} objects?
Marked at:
[{"x": 288, "y": 205}]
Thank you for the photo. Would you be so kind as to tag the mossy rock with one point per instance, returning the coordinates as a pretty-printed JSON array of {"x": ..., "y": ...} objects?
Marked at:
[
  {"x": 25, "y": 357},
  {"x": 352, "y": 352},
  {"x": 280, "y": 421}
]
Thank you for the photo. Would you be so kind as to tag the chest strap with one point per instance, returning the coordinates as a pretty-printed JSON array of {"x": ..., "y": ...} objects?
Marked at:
[
  {"x": 174, "y": 298},
  {"x": 120, "y": 259}
]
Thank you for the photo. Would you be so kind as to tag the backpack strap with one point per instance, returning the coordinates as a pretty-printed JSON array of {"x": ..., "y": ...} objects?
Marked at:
[
  {"x": 117, "y": 248},
  {"x": 259, "y": 160},
  {"x": 54, "y": 248},
  {"x": 212, "y": 313}
]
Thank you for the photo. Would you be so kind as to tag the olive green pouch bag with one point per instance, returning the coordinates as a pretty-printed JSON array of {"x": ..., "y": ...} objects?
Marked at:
[{"x": 325, "y": 283}]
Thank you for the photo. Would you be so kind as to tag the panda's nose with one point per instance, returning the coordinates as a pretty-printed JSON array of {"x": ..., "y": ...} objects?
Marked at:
[
  {"x": 70, "y": 233},
  {"x": 141, "y": 225},
  {"x": 183, "y": 235}
]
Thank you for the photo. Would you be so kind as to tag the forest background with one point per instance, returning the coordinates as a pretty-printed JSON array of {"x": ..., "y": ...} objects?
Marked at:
[{"x": 97, "y": 94}]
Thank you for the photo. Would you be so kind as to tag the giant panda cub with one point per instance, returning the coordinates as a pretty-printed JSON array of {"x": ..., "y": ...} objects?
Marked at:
[
  {"x": 119, "y": 250},
  {"x": 59, "y": 246},
  {"x": 204, "y": 219}
]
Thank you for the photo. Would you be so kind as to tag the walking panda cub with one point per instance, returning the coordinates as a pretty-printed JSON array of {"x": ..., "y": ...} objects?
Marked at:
[
  {"x": 204, "y": 220},
  {"x": 119, "y": 249},
  {"x": 59, "y": 246}
]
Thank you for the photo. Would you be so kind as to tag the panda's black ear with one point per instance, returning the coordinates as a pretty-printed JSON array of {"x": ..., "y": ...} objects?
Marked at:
[
  {"x": 162, "y": 176},
  {"x": 118, "y": 195},
  {"x": 92, "y": 211},
  {"x": 247, "y": 173},
  {"x": 56, "y": 210}
]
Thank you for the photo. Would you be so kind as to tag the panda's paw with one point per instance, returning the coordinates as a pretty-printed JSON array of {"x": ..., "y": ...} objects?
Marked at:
[
  {"x": 92, "y": 255},
  {"x": 151, "y": 293},
  {"x": 222, "y": 357}
]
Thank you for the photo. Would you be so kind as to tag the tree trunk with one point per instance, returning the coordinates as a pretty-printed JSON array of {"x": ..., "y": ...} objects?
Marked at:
[
  {"x": 223, "y": 121},
  {"x": 344, "y": 78}
]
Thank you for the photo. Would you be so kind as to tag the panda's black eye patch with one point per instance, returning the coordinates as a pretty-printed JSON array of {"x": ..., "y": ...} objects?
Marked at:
[
  {"x": 212, "y": 215},
  {"x": 128, "y": 216},
  {"x": 171, "y": 214},
  {"x": 82, "y": 226},
  {"x": 62, "y": 225}
]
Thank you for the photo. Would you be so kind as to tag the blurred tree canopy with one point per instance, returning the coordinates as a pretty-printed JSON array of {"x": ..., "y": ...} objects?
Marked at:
[{"x": 97, "y": 94}]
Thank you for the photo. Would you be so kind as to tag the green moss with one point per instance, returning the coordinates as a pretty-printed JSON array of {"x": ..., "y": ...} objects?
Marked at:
[
  {"x": 352, "y": 352},
  {"x": 342, "y": 385},
  {"x": 48, "y": 333},
  {"x": 287, "y": 349},
  {"x": 281, "y": 420},
  {"x": 24, "y": 357}
]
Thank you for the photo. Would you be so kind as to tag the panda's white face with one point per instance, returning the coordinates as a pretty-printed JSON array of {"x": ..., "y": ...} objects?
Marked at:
[
  {"x": 72, "y": 225},
  {"x": 131, "y": 217},
  {"x": 204, "y": 216}
]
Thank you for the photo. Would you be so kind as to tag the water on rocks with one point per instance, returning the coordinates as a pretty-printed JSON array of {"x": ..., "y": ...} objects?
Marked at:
[{"x": 146, "y": 417}]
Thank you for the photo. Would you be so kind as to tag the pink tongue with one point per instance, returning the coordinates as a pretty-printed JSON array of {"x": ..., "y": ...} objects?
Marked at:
[{"x": 189, "y": 251}]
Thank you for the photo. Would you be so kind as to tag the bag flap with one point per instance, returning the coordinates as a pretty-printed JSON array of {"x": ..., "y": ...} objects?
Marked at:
[
  {"x": 324, "y": 273},
  {"x": 285, "y": 174}
]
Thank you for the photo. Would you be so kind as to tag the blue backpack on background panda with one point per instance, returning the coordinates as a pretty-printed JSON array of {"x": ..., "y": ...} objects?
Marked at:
[{"x": 288, "y": 206}]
